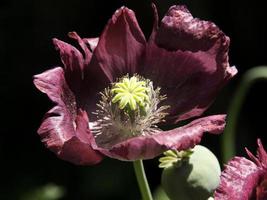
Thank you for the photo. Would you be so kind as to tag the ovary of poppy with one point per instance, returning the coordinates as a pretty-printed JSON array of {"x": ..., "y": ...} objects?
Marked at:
[{"x": 185, "y": 60}]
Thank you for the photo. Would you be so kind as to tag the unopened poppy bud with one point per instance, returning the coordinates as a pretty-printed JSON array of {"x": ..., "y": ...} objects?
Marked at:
[{"x": 193, "y": 175}]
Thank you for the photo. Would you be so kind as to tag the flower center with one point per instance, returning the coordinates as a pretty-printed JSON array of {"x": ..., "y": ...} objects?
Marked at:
[
  {"x": 128, "y": 109},
  {"x": 130, "y": 92}
]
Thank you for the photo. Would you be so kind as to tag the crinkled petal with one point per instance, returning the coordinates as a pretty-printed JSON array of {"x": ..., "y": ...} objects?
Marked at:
[
  {"x": 121, "y": 45},
  {"x": 261, "y": 159},
  {"x": 262, "y": 155},
  {"x": 238, "y": 180},
  {"x": 148, "y": 147},
  {"x": 64, "y": 130},
  {"x": 188, "y": 59}
]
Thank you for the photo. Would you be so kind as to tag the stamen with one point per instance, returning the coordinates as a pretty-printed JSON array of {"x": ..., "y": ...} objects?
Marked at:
[{"x": 129, "y": 108}]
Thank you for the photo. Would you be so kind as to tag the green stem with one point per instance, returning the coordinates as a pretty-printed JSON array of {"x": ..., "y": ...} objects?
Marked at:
[
  {"x": 228, "y": 138},
  {"x": 142, "y": 180}
]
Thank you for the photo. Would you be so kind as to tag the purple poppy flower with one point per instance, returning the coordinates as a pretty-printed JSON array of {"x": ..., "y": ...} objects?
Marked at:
[
  {"x": 243, "y": 179},
  {"x": 126, "y": 88}
]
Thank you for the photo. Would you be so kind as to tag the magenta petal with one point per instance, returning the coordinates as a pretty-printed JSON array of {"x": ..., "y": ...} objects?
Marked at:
[
  {"x": 238, "y": 180},
  {"x": 243, "y": 179},
  {"x": 120, "y": 46},
  {"x": 188, "y": 59},
  {"x": 63, "y": 130},
  {"x": 261, "y": 159},
  {"x": 262, "y": 155},
  {"x": 148, "y": 147}
]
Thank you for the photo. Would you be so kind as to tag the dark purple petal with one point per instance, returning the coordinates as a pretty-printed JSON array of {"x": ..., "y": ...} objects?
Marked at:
[
  {"x": 63, "y": 130},
  {"x": 87, "y": 52},
  {"x": 73, "y": 60},
  {"x": 179, "y": 30},
  {"x": 148, "y": 147},
  {"x": 188, "y": 59},
  {"x": 83, "y": 81},
  {"x": 155, "y": 24},
  {"x": 78, "y": 149},
  {"x": 238, "y": 180},
  {"x": 121, "y": 45}
]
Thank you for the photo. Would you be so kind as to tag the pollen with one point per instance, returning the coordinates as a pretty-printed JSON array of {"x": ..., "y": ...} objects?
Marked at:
[{"x": 130, "y": 93}]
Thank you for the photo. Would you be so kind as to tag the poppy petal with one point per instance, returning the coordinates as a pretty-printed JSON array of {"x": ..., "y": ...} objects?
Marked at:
[
  {"x": 79, "y": 76},
  {"x": 188, "y": 59},
  {"x": 120, "y": 46},
  {"x": 148, "y": 147},
  {"x": 238, "y": 180},
  {"x": 64, "y": 130}
]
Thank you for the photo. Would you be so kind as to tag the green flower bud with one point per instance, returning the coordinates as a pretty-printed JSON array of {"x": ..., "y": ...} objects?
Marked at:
[{"x": 193, "y": 178}]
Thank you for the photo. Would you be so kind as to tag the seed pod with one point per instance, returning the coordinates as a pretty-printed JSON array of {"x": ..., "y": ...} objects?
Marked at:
[{"x": 192, "y": 178}]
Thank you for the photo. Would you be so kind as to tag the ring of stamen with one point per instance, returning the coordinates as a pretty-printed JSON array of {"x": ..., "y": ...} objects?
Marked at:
[{"x": 129, "y": 108}]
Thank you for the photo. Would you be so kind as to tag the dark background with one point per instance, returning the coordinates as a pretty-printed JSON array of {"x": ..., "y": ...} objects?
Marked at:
[{"x": 26, "y": 30}]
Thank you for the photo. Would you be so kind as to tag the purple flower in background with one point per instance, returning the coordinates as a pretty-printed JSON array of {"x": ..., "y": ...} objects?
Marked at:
[
  {"x": 243, "y": 179},
  {"x": 112, "y": 98}
]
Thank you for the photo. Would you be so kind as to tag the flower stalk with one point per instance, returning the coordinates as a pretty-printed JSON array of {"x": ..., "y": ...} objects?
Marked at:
[
  {"x": 228, "y": 138},
  {"x": 142, "y": 180}
]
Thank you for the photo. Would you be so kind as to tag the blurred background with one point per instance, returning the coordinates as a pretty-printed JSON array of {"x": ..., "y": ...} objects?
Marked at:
[{"x": 28, "y": 170}]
